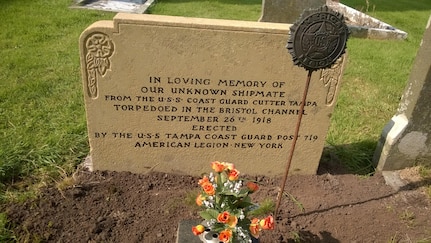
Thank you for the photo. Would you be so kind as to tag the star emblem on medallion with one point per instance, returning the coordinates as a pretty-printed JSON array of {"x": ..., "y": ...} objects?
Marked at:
[{"x": 318, "y": 39}]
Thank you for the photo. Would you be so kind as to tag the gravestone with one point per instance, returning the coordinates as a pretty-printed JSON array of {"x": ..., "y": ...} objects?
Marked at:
[
  {"x": 172, "y": 94},
  {"x": 360, "y": 24},
  {"x": 123, "y": 6},
  {"x": 406, "y": 139},
  {"x": 286, "y": 11}
]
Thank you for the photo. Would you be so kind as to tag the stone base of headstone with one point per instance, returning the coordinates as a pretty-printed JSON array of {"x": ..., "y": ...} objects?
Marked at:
[
  {"x": 87, "y": 164},
  {"x": 393, "y": 179},
  {"x": 185, "y": 234}
]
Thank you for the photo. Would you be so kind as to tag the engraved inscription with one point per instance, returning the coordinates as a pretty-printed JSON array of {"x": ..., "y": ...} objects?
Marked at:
[{"x": 214, "y": 115}]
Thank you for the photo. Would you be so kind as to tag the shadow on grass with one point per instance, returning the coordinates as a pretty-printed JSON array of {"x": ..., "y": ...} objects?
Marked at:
[{"x": 355, "y": 158}]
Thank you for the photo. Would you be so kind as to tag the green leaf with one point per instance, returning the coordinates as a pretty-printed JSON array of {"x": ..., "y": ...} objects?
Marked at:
[
  {"x": 218, "y": 227},
  {"x": 209, "y": 214},
  {"x": 244, "y": 191},
  {"x": 244, "y": 204},
  {"x": 266, "y": 207},
  {"x": 298, "y": 203},
  {"x": 222, "y": 178},
  {"x": 228, "y": 193}
]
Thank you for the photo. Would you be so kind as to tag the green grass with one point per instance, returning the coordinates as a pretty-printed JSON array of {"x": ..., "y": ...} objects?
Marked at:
[
  {"x": 425, "y": 172},
  {"x": 5, "y": 234},
  {"x": 215, "y": 9},
  {"x": 374, "y": 80},
  {"x": 42, "y": 118}
]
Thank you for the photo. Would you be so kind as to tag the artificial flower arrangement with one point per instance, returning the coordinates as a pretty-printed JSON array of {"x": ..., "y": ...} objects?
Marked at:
[{"x": 227, "y": 207}]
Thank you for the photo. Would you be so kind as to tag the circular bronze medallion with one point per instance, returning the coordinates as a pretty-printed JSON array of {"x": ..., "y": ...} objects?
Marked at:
[{"x": 318, "y": 39}]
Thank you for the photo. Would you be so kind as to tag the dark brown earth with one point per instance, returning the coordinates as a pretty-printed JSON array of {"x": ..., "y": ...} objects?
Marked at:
[{"x": 125, "y": 207}]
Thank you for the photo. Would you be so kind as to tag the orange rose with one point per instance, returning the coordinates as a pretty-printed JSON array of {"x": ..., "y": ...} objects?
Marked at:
[
  {"x": 233, "y": 220},
  {"x": 255, "y": 227},
  {"x": 225, "y": 235},
  {"x": 199, "y": 200},
  {"x": 252, "y": 186},
  {"x": 217, "y": 166},
  {"x": 208, "y": 188},
  {"x": 267, "y": 223},
  {"x": 203, "y": 180},
  {"x": 233, "y": 175},
  {"x": 223, "y": 217},
  {"x": 198, "y": 229},
  {"x": 229, "y": 166}
]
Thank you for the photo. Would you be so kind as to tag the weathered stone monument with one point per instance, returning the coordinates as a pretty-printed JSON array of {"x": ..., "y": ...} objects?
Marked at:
[
  {"x": 174, "y": 93},
  {"x": 361, "y": 25},
  {"x": 122, "y": 6},
  {"x": 406, "y": 140},
  {"x": 286, "y": 11}
]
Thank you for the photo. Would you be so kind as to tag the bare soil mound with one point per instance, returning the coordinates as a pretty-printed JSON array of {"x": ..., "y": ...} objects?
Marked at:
[{"x": 125, "y": 207}]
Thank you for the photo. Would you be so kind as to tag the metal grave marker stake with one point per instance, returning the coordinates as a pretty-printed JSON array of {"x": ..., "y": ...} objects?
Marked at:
[{"x": 317, "y": 40}]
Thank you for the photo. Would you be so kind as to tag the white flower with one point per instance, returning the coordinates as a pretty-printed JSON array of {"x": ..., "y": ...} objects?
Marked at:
[
  {"x": 211, "y": 222},
  {"x": 242, "y": 235},
  {"x": 241, "y": 215},
  {"x": 208, "y": 204}
]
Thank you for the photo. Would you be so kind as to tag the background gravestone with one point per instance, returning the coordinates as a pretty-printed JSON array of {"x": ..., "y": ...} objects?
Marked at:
[
  {"x": 406, "y": 139},
  {"x": 174, "y": 93},
  {"x": 360, "y": 25},
  {"x": 286, "y": 11}
]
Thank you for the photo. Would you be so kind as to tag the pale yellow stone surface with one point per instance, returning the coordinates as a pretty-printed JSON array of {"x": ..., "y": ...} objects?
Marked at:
[{"x": 173, "y": 94}]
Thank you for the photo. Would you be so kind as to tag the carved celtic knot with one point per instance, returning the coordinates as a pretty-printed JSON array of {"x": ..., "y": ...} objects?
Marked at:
[
  {"x": 98, "y": 48},
  {"x": 330, "y": 78}
]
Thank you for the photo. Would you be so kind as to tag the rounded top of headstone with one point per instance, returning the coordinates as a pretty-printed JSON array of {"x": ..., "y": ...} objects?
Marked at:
[{"x": 318, "y": 38}]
